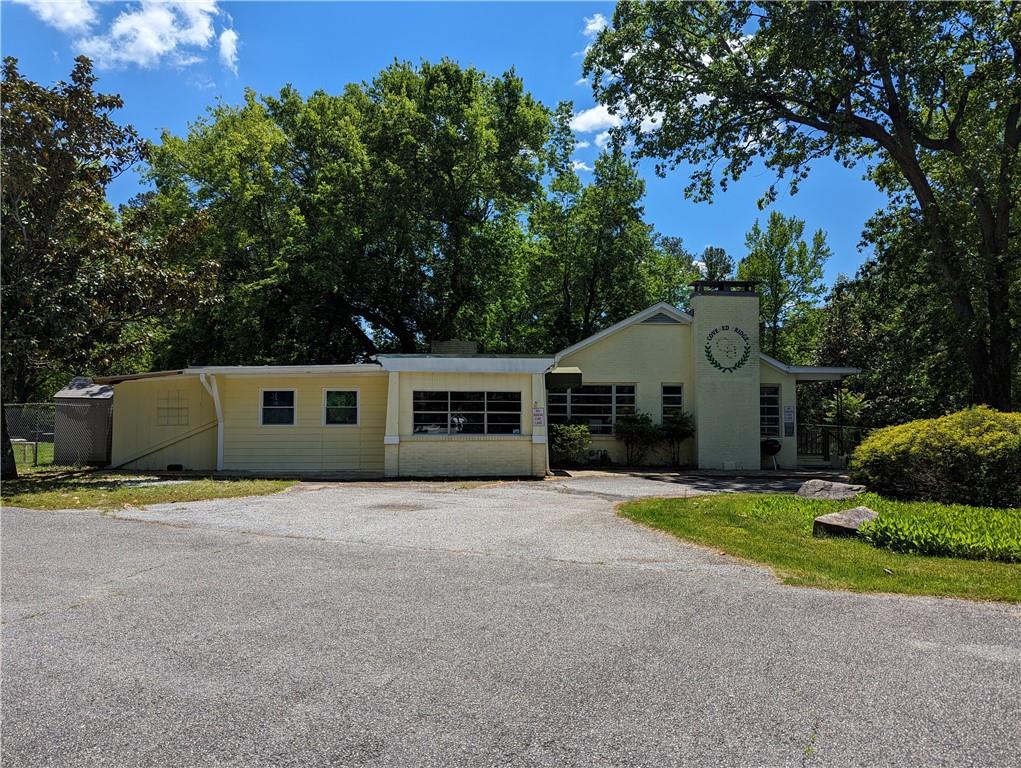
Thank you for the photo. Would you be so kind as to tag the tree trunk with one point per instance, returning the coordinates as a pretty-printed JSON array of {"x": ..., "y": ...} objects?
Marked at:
[
  {"x": 997, "y": 381},
  {"x": 8, "y": 469}
]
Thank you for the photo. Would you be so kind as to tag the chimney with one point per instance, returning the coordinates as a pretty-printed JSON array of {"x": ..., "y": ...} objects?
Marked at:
[
  {"x": 725, "y": 341},
  {"x": 455, "y": 347}
]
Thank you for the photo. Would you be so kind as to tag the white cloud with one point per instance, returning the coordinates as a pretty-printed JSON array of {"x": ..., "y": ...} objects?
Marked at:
[
  {"x": 651, "y": 122},
  {"x": 597, "y": 118},
  {"x": 594, "y": 25},
  {"x": 154, "y": 32},
  {"x": 71, "y": 16},
  {"x": 581, "y": 81},
  {"x": 581, "y": 165},
  {"x": 145, "y": 34},
  {"x": 603, "y": 139},
  {"x": 229, "y": 50},
  {"x": 581, "y": 144}
]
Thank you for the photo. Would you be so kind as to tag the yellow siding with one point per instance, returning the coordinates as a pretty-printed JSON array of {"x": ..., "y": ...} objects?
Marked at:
[
  {"x": 141, "y": 442},
  {"x": 472, "y": 455},
  {"x": 308, "y": 445},
  {"x": 647, "y": 355}
]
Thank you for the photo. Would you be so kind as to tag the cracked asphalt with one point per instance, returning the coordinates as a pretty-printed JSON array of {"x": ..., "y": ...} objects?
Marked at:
[{"x": 443, "y": 624}]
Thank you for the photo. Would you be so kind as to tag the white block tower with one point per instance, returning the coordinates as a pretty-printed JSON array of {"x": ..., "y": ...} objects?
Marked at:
[{"x": 725, "y": 342}]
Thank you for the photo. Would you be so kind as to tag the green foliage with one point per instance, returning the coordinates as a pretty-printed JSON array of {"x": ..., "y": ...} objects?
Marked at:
[
  {"x": 847, "y": 407},
  {"x": 639, "y": 433},
  {"x": 569, "y": 443},
  {"x": 717, "y": 264},
  {"x": 80, "y": 285},
  {"x": 975, "y": 533},
  {"x": 927, "y": 100},
  {"x": 674, "y": 431},
  {"x": 969, "y": 457},
  {"x": 789, "y": 271}
]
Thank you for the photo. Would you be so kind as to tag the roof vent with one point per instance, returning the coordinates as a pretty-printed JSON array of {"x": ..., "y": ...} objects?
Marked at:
[
  {"x": 455, "y": 347},
  {"x": 661, "y": 318}
]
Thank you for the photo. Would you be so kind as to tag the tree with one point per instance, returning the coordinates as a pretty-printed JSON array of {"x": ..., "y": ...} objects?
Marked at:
[
  {"x": 381, "y": 218},
  {"x": 717, "y": 264},
  {"x": 929, "y": 94},
  {"x": 79, "y": 285},
  {"x": 789, "y": 272}
]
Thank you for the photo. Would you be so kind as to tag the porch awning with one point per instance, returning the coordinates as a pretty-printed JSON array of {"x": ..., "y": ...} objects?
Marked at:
[{"x": 563, "y": 378}]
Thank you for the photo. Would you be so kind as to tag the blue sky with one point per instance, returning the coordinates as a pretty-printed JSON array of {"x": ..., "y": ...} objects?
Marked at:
[{"x": 169, "y": 61}]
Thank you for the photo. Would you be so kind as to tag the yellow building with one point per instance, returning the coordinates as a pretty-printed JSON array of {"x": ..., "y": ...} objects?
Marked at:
[{"x": 474, "y": 415}]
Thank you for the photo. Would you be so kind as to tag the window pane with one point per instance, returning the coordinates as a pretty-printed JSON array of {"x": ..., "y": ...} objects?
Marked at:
[
  {"x": 278, "y": 415},
  {"x": 503, "y": 401},
  {"x": 468, "y": 401},
  {"x": 278, "y": 398},
  {"x": 625, "y": 389},
  {"x": 430, "y": 424},
  {"x": 341, "y": 415},
  {"x": 504, "y": 418},
  {"x": 504, "y": 429},
  {"x": 336, "y": 398},
  {"x": 423, "y": 397},
  {"x": 467, "y": 423}
]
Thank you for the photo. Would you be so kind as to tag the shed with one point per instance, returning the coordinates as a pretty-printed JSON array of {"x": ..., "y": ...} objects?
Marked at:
[{"x": 81, "y": 423}]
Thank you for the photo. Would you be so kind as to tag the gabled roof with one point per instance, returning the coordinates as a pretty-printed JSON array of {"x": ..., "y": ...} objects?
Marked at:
[
  {"x": 810, "y": 372},
  {"x": 663, "y": 308}
]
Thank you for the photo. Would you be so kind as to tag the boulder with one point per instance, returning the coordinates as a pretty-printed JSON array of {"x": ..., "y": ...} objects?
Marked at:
[
  {"x": 825, "y": 489},
  {"x": 843, "y": 523}
]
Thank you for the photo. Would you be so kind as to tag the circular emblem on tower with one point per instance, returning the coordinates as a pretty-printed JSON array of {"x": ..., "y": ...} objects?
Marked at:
[{"x": 727, "y": 348}]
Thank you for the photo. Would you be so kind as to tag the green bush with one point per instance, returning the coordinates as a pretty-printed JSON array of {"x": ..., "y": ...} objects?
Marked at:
[
  {"x": 677, "y": 427},
  {"x": 975, "y": 533},
  {"x": 969, "y": 457},
  {"x": 639, "y": 433},
  {"x": 569, "y": 443}
]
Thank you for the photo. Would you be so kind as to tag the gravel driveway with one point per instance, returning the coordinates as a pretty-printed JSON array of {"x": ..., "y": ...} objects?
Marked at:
[{"x": 451, "y": 624}]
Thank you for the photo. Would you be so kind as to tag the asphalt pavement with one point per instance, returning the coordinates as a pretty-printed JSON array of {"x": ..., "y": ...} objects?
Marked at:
[{"x": 444, "y": 624}]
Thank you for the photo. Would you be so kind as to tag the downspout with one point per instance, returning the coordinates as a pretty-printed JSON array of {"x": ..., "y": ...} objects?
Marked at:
[{"x": 214, "y": 392}]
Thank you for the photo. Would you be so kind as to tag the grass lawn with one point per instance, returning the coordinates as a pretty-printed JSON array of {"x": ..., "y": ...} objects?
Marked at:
[
  {"x": 98, "y": 490},
  {"x": 776, "y": 530}
]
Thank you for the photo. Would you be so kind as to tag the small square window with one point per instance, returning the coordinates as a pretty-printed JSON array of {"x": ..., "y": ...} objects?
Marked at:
[
  {"x": 277, "y": 407},
  {"x": 172, "y": 409},
  {"x": 341, "y": 407}
]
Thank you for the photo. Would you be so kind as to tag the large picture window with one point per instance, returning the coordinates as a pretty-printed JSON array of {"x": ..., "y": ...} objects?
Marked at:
[
  {"x": 769, "y": 410},
  {"x": 340, "y": 407},
  {"x": 597, "y": 405},
  {"x": 277, "y": 407},
  {"x": 466, "y": 413}
]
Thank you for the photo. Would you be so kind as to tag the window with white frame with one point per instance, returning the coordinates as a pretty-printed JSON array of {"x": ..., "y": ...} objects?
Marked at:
[
  {"x": 769, "y": 410},
  {"x": 597, "y": 405},
  {"x": 672, "y": 400},
  {"x": 466, "y": 413},
  {"x": 172, "y": 408},
  {"x": 277, "y": 407},
  {"x": 340, "y": 407}
]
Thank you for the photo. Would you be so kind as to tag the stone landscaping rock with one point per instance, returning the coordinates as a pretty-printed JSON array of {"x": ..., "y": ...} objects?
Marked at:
[
  {"x": 843, "y": 523},
  {"x": 824, "y": 489}
]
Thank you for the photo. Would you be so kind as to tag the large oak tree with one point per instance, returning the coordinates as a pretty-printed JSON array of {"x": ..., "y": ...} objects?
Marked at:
[{"x": 928, "y": 95}]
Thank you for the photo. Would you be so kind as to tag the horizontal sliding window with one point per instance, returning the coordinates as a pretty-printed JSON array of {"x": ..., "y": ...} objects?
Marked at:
[
  {"x": 277, "y": 407},
  {"x": 466, "y": 413},
  {"x": 597, "y": 405},
  {"x": 341, "y": 407}
]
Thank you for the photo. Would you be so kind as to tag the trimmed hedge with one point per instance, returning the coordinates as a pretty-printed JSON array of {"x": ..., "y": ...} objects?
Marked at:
[{"x": 969, "y": 457}]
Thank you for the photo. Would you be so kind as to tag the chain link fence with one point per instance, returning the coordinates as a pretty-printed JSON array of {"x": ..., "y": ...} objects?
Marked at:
[{"x": 60, "y": 434}]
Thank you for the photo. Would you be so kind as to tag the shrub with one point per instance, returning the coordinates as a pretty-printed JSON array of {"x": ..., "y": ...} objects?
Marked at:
[
  {"x": 677, "y": 427},
  {"x": 975, "y": 533},
  {"x": 569, "y": 443},
  {"x": 639, "y": 433},
  {"x": 969, "y": 457}
]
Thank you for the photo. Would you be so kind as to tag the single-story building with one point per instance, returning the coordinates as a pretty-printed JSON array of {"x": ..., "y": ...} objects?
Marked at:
[{"x": 460, "y": 413}]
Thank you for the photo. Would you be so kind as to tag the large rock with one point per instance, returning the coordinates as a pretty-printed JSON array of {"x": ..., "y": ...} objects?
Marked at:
[
  {"x": 824, "y": 489},
  {"x": 843, "y": 523}
]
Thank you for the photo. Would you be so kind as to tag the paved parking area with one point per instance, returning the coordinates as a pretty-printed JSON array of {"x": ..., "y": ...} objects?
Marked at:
[{"x": 452, "y": 624}]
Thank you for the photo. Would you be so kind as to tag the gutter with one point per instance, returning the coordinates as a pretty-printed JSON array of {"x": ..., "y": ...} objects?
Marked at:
[{"x": 209, "y": 383}]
